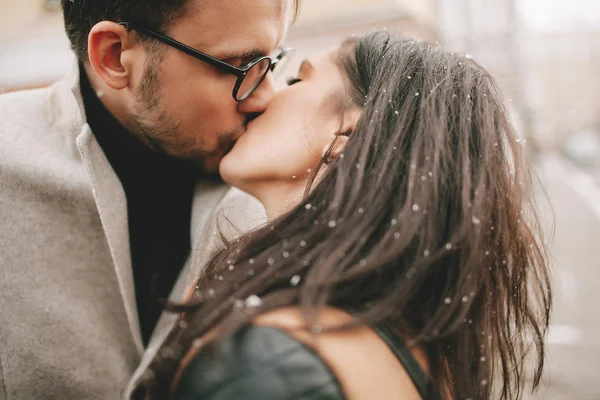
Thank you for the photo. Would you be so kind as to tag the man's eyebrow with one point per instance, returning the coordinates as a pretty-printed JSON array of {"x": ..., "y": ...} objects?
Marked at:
[{"x": 248, "y": 55}]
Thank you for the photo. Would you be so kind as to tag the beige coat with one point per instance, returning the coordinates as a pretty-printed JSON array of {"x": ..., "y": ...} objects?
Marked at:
[{"x": 68, "y": 317}]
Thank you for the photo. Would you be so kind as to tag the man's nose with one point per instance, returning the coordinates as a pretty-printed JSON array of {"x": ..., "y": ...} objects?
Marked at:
[{"x": 259, "y": 99}]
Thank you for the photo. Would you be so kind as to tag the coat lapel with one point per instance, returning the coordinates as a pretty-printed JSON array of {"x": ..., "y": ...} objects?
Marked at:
[{"x": 112, "y": 207}]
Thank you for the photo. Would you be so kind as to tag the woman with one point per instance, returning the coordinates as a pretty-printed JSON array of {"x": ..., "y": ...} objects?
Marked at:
[{"x": 402, "y": 258}]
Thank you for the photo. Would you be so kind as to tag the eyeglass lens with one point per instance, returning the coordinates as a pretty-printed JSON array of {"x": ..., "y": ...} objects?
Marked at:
[{"x": 253, "y": 78}]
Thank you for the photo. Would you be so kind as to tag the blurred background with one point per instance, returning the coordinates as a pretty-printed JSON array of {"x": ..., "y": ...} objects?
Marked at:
[{"x": 545, "y": 55}]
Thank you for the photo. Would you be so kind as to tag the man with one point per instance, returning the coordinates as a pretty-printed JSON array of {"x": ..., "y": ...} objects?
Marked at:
[{"x": 104, "y": 183}]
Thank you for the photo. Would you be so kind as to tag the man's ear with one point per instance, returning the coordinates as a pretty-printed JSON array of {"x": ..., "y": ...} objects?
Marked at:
[{"x": 106, "y": 44}]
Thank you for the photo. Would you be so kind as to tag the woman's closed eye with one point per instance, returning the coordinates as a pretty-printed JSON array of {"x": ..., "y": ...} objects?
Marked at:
[{"x": 293, "y": 81}]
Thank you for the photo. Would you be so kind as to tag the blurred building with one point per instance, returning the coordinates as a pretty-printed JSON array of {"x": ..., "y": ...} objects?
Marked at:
[{"x": 545, "y": 55}]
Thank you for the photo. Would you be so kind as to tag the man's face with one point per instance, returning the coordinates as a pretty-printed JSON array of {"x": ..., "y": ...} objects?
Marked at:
[{"x": 184, "y": 107}]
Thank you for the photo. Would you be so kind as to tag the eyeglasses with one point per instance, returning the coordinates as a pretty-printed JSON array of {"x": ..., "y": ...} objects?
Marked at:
[{"x": 249, "y": 76}]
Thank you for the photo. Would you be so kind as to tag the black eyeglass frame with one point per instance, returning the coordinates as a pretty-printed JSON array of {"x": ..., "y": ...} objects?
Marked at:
[{"x": 239, "y": 72}]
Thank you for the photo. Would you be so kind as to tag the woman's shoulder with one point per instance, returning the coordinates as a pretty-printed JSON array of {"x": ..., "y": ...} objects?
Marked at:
[
  {"x": 278, "y": 357},
  {"x": 258, "y": 362},
  {"x": 360, "y": 358}
]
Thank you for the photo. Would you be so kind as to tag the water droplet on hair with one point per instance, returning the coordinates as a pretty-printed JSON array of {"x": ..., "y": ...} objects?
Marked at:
[
  {"x": 447, "y": 300},
  {"x": 426, "y": 253},
  {"x": 416, "y": 94},
  {"x": 363, "y": 262},
  {"x": 211, "y": 292},
  {"x": 469, "y": 56},
  {"x": 393, "y": 222},
  {"x": 309, "y": 170},
  {"x": 397, "y": 235},
  {"x": 423, "y": 178},
  {"x": 286, "y": 254},
  {"x": 251, "y": 261},
  {"x": 409, "y": 77},
  {"x": 302, "y": 243},
  {"x": 482, "y": 359},
  {"x": 295, "y": 280},
  {"x": 316, "y": 329},
  {"x": 183, "y": 324},
  {"x": 100, "y": 93},
  {"x": 415, "y": 207},
  {"x": 270, "y": 261},
  {"x": 251, "y": 272},
  {"x": 484, "y": 382},
  {"x": 487, "y": 253},
  {"x": 453, "y": 96},
  {"x": 308, "y": 206},
  {"x": 332, "y": 224},
  {"x": 253, "y": 301},
  {"x": 465, "y": 299},
  {"x": 239, "y": 304},
  {"x": 315, "y": 222},
  {"x": 294, "y": 177},
  {"x": 231, "y": 267},
  {"x": 448, "y": 246},
  {"x": 476, "y": 220},
  {"x": 341, "y": 155},
  {"x": 396, "y": 112}
]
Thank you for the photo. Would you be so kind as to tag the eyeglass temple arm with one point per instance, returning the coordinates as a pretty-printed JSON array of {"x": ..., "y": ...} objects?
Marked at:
[{"x": 186, "y": 49}]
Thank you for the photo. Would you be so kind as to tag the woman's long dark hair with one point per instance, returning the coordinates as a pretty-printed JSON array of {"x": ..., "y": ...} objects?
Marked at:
[{"x": 426, "y": 224}]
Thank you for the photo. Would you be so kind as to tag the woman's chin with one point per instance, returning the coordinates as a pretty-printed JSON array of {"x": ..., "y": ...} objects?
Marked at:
[
  {"x": 234, "y": 173},
  {"x": 227, "y": 169}
]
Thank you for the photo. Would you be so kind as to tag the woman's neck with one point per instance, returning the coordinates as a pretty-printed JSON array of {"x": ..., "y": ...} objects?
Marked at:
[{"x": 278, "y": 197}]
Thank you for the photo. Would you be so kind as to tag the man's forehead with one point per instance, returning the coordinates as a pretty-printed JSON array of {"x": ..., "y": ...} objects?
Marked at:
[{"x": 235, "y": 26}]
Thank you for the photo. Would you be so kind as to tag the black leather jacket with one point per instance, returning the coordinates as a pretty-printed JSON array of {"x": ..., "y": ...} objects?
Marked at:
[{"x": 264, "y": 363}]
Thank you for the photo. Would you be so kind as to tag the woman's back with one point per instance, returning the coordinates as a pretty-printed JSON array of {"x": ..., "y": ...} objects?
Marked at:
[{"x": 278, "y": 358}]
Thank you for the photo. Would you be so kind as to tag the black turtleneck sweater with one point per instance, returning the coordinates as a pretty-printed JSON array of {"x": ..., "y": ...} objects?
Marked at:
[{"x": 159, "y": 191}]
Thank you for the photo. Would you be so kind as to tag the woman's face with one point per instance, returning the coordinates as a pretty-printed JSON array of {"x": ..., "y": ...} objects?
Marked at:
[{"x": 285, "y": 143}]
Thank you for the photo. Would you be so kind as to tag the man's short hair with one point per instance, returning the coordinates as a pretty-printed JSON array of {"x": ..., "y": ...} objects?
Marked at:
[{"x": 81, "y": 15}]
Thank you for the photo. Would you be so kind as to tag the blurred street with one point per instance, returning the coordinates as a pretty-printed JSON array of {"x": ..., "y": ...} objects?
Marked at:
[{"x": 574, "y": 339}]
